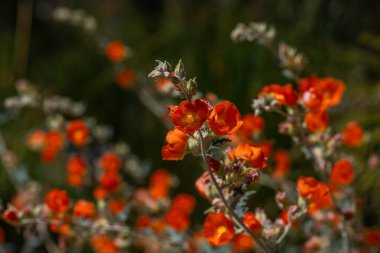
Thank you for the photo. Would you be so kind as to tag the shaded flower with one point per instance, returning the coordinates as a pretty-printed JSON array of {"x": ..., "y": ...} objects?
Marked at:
[
  {"x": 254, "y": 155},
  {"x": 251, "y": 125},
  {"x": 283, "y": 94},
  {"x": 176, "y": 147}
]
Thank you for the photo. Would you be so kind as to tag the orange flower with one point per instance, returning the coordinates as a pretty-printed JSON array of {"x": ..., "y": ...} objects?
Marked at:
[
  {"x": 282, "y": 160},
  {"x": 183, "y": 202},
  {"x": 10, "y": 216},
  {"x": 142, "y": 222},
  {"x": 36, "y": 140},
  {"x": 320, "y": 94},
  {"x": 110, "y": 162},
  {"x": 77, "y": 132},
  {"x": 316, "y": 121},
  {"x": 243, "y": 243},
  {"x": 159, "y": 183},
  {"x": 316, "y": 192},
  {"x": 372, "y": 237},
  {"x": 76, "y": 168},
  {"x": 342, "y": 173},
  {"x": 177, "y": 219},
  {"x": 251, "y": 222},
  {"x": 116, "y": 51},
  {"x": 218, "y": 229},
  {"x": 48, "y": 155},
  {"x": 283, "y": 94},
  {"x": 266, "y": 147},
  {"x": 189, "y": 116},
  {"x": 176, "y": 147},
  {"x": 53, "y": 144},
  {"x": 110, "y": 181},
  {"x": 352, "y": 134},
  {"x": 75, "y": 180},
  {"x": 306, "y": 186},
  {"x": 332, "y": 90},
  {"x": 116, "y": 206},
  {"x": 57, "y": 200},
  {"x": 76, "y": 165},
  {"x": 251, "y": 125},
  {"x": 54, "y": 140},
  {"x": 126, "y": 78},
  {"x": 100, "y": 193},
  {"x": 164, "y": 85},
  {"x": 103, "y": 244},
  {"x": 253, "y": 154},
  {"x": 202, "y": 183},
  {"x": 225, "y": 118},
  {"x": 320, "y": 198},
  {"x": 84, "y": 209}
]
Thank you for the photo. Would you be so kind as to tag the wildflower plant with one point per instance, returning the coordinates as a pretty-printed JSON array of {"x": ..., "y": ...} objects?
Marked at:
[{"x": 131, "y": 208}]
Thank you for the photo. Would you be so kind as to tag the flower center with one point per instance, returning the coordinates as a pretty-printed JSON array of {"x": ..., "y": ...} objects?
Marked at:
[
  {"x": 189, "y": 119},
  {"x": 221, "y": 230}
]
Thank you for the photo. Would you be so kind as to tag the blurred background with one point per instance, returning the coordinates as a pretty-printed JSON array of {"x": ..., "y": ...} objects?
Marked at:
[{"x": 341, "y": 38}]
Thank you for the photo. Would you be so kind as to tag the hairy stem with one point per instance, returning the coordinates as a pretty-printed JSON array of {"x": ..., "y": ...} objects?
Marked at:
[{"x": 236, "y": 218}]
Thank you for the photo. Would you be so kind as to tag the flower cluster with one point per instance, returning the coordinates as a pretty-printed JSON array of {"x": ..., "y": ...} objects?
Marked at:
[
  {"x": 118, "y": 215},
  {"x": 110, "y": 202}
]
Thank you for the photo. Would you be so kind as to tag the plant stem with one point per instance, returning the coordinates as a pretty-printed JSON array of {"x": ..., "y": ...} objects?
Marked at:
[{"x": 237, "y": 219}]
